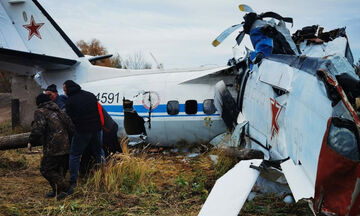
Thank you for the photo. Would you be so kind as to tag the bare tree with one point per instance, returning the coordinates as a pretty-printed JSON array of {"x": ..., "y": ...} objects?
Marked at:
[
  {"x": 136, "y": 61},
  {"x": 116, "y": 61}
]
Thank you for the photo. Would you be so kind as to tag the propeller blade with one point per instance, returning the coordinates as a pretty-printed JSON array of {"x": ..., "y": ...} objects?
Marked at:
[
  {"x": 245, "y": 8},
  {"x": 225, "y": 34}
]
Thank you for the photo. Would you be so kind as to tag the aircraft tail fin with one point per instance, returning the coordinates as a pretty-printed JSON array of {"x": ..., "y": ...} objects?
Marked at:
[{"x": 27, "y": 27}]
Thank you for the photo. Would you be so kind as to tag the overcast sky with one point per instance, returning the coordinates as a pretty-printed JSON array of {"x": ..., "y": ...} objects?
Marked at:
[{"x": 179, "y": 33}]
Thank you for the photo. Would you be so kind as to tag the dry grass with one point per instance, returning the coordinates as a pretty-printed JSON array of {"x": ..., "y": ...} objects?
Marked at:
[
  {"x": 6, "y": 129},
  {"x": 128, "y": 184},
  {"x": 124, "y": 173}
]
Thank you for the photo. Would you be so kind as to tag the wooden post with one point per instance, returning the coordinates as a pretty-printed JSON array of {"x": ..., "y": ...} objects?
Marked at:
[{"x": 15, "y": 113}]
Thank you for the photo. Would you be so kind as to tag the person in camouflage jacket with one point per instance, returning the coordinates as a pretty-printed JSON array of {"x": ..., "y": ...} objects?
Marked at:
[{"x": 52, "y": 129}]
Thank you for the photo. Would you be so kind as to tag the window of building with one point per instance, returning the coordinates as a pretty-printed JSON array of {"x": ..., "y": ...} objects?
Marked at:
[
  {"x": 209, "y": 107},
  {"x": 172, "y": 107},
  {"x": 191, "y": 107}
]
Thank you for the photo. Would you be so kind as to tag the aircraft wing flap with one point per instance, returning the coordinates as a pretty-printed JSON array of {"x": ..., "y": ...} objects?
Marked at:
[
  {"x": 231, "y": 190},
  {"x": 10, "y": 59},
  {"x": 299, "y": 183}
]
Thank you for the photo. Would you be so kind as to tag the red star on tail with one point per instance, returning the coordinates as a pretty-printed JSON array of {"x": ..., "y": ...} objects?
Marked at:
[
  {"x": 275, "y": 110},
  {"x": 33, "y": 28}
]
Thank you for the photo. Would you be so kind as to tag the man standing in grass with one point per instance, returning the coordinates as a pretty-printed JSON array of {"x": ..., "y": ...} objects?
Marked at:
[
  {"x": 82, "y": 108},
  {"x": 51, "y": 128}
]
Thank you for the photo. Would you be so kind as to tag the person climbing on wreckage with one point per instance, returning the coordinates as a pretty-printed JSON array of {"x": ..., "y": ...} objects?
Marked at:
[{"x": 267, "y": 37}]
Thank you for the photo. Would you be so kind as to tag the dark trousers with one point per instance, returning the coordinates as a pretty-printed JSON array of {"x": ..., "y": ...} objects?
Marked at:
[
  {"x": 78, "y": 145},
  {"x": 110, "y": 141},
  {"x": 54, "y": 168},
  {"x": 110, "y": 145}
]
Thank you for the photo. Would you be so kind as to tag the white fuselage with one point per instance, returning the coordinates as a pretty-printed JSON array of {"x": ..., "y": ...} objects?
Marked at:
[{"x": 111, "y": 86}]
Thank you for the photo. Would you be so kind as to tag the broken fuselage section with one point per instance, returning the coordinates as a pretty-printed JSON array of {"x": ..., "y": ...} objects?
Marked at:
[{"x": 300, "y": 110}]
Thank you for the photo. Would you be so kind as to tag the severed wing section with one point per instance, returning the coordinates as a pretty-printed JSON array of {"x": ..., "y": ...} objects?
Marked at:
[{"x": 231, "y": 190}]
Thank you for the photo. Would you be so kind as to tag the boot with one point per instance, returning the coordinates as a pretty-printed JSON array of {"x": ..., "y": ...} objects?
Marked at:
[
  {"x": 61, "y": 196},
  {"x": 64, "y": 194},
  {"x": 51, "y": 194}
]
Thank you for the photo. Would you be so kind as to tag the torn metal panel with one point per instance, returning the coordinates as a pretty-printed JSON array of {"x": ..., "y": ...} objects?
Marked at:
[
  {"x": 335, "y": 47},
  {"x": 231, "y": 190},
  {"x": 299, "y": 183},
  {"x": 280, "y": 76},
  {"x": 337, "y": 65},
  {"x": 229, "y": 140}
]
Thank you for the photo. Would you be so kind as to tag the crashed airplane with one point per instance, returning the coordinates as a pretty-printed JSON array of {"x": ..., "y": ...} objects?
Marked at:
[
  {"x": 297, "y": 104},
  {"x": 292, "y": 98},
  {"x": 148, "y": 105}
]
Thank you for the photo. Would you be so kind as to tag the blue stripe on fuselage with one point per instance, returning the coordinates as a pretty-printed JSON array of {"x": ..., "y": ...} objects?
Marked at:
[
  {"x": 162, "y": 116},
  {"x": 162, "y": 108}
]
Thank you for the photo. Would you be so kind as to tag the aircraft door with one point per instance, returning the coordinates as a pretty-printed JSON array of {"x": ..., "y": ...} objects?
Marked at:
[
  {"x": 142, "y": 117},
  {"x": 133, "y": 123}
]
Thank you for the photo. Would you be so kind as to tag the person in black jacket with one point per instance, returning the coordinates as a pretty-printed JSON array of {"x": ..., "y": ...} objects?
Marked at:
[{"x": 82, "y": 108}]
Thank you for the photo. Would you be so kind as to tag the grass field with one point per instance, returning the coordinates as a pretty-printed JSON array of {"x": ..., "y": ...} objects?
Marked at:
[{"x": 129, "y": 184}]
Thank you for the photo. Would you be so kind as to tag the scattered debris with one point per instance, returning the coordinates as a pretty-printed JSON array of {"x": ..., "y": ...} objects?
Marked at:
[
  {"x": 214, "y": 158},
  {"x": 192, "y": 155}
]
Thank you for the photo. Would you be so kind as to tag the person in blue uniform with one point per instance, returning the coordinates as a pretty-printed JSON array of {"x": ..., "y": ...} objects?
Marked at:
[{"x": 60, "y": 100}]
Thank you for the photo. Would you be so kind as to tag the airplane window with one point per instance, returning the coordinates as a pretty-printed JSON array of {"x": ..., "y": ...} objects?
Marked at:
[
  {"x": 209, "y": 107},
  {"x": 191, "y": 107},
  {"x": 173, "y": 107}
]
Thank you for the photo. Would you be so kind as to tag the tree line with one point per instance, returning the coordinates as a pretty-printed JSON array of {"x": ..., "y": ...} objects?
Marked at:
[{"x": 95, "y": 48}]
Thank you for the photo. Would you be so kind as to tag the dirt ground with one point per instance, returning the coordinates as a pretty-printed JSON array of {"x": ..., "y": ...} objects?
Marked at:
[
  {"x": 175, "y": 185},
  {"x": 152, "y": 183}
]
